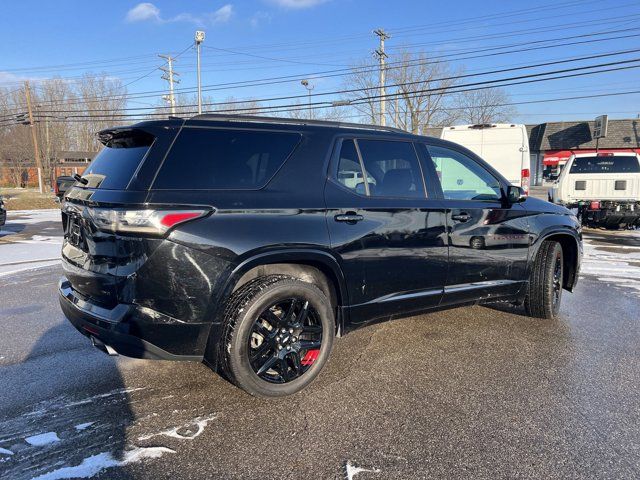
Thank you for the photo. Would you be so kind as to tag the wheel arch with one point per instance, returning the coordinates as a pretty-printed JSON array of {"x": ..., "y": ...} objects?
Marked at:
[
  {"x": 571, "y": 254},
  {"x": 310, "y": 265},
  {"x": 317, "y": 266}
]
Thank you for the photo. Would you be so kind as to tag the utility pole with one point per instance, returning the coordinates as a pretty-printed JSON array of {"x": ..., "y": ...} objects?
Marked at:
[
  {"x": 34, "y": 137},
  {"x": 199, "y": 39},
  {"x": 309, "y": 87},
  {"x": 168, "y": 76},
  {"x": 382, "y": 57},
  {"x": 395, "y": 111}
]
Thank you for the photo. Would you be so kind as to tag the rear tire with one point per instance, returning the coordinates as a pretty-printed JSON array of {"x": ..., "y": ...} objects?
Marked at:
[
  {"x": 544, "y": 292},
  {"x": 278, "y": 334}
]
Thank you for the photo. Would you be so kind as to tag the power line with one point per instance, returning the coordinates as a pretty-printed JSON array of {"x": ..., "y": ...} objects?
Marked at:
[
  {"x": 419, "y": 82},
  {"x": 296, "y": 107},
  {"x": 504, "y": 104},
  {"x": 365, "y": 69}
]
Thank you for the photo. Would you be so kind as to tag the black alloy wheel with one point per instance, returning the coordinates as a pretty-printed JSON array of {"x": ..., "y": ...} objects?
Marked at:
[
  {"x": 285, "y": 341},
  {"x": 557, "y": 280},
  {"x": 277, "y": 335},
  {"x": 544, "y": 291}
]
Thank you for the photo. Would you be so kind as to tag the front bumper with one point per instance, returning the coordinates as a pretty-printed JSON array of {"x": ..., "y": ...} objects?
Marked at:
[{"x": 133, "y": 331}]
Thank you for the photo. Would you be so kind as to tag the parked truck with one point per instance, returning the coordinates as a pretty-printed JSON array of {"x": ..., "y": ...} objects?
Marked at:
[{"x": 604, "y": 188}]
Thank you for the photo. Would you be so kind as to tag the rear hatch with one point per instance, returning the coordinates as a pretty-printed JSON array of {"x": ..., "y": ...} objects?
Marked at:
[
  {"x": 97, "y": 261},
  {"x": 603, "y": 177}
]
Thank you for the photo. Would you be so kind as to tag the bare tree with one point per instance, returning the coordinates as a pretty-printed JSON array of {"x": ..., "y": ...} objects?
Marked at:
[
  {"x": 241, "y": 107},
  {"x": 364, "y": 78},
  {"x": 423, "y": 88},
  {"x": 103, "y": 99},
  {"x": 301, "y": 110},
  {"x": 418, "y": 91},
  {"x": 66, "y": 117},
  {"x": 485, "y": 106}
]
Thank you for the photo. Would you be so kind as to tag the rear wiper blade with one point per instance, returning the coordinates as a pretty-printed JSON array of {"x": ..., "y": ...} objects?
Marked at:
[{"x": 80, "y": 179}]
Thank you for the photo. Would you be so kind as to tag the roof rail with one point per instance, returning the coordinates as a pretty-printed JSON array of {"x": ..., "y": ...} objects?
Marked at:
[{"x": 292, "y": 121}]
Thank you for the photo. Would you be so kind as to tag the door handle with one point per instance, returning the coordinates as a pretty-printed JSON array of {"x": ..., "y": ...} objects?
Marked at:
[
  {"x": 349, "y": 217},
  {"x": 461, "y": 217}
]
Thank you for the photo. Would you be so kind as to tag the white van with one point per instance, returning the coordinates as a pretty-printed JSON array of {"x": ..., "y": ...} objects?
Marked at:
[{"x": 504, "y": 146}]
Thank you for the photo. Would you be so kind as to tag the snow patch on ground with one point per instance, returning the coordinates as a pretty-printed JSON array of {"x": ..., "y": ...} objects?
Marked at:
[
  {"x": 119, "y": 391},
  {"x": 352, "y": 470},
  {"x": 83, "y": 426},
  {"x": 93, "y": 465},
  {"x": 42, "y": 439},
  {"x": 4, "y": 451},
  {"x": 617, "y": 268},
  {"x": 186, "y": 431},
  {"x": 31, "y": 247}
]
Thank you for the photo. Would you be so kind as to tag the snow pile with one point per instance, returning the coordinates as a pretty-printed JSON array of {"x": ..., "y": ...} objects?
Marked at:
[
  {"x": 351, "y": 470},
  {"x": 83, "y": 426},
  {"x": 42, "y": 439},
  {"x": 187, "y": 431},
  {"x": 96, "y": 463}
]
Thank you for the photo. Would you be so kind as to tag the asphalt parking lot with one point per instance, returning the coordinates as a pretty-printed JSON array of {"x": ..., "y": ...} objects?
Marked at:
[{"x": 474, "y": 392}]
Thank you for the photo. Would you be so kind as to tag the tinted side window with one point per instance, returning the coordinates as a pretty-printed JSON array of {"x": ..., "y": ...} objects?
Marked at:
[
  {"x": 606, "y": 164},
  {"x": 349, "y": 171},
  {"x": 118, "y": 161},
  {"x": 461, "y": 177},
  {"x": 392, "y": 169},
  {"x": 215, "y": 159}
]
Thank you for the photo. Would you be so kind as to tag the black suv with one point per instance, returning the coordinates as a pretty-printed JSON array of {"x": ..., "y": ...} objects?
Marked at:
[{"x": 250, "y": 243}]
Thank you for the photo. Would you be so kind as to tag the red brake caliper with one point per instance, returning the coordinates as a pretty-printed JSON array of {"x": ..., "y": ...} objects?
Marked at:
[{"x": 310, "y": 357}]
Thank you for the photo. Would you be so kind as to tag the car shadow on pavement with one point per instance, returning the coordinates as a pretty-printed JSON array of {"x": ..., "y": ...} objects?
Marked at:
[{"x": 77, "y": 423}]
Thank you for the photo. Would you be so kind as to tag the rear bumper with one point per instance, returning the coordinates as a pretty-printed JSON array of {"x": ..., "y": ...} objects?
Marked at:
[{"x": 133, "y": 331}]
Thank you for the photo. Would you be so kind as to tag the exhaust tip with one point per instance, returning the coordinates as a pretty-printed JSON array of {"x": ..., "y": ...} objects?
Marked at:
[{"x": 100, "y": 345}]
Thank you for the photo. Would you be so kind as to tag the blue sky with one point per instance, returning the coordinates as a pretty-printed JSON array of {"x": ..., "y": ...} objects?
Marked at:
[{"x": 122, "y": 38}]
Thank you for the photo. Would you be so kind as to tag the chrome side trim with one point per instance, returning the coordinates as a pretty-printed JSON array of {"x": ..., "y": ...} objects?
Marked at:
[
  {"x": 405, "y": 296},
  {"x": 476, "y": 285}
]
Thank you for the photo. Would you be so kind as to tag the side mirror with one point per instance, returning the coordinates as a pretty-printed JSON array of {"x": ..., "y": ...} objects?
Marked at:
[{"x": 515, "y": 194}]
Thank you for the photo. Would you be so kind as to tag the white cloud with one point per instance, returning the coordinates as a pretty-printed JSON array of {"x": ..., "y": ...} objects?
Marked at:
[
  {"x": 223, "y": 14},
  {"x": 298, "y": 4},
  {"x": 259, "y": 18},
  {"x": 144, "y": 12}
]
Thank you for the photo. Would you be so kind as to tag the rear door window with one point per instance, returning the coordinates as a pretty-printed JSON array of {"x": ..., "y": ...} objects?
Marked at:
[
  {"x": 115, "y": 165},
  {"x": 209, "y": 159},
  {"x": 392, "y": 169},
  {"x": 349, "y": 169},
  {"x": 606, "y": 164}
]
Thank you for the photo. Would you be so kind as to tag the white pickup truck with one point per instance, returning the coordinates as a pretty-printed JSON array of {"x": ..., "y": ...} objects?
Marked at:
[{"x": 603, "y": 187}]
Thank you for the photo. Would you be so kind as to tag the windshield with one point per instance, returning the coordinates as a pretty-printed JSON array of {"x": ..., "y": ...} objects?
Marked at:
[{"x": 606, "y": 164}]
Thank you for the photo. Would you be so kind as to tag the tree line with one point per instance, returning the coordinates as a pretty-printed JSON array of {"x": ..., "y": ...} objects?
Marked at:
[{"x": 421, "y": 93}]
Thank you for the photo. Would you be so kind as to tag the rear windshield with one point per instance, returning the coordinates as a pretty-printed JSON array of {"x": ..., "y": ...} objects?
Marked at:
[
  {"x": 117, "y": 162},
  {"x": 604, "y": 164},
  {"x": 224, "y": 159}
]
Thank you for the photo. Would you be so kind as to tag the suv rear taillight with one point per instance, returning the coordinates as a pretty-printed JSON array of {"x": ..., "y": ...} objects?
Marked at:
[
  {"x": 152, "y": 222},
  {"x": 524, "y": 178}
]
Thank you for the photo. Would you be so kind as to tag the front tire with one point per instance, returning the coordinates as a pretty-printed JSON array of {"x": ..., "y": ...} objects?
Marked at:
[
  {"x": 544, "y": 292},
  {"x": 278, "y": 335}
]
